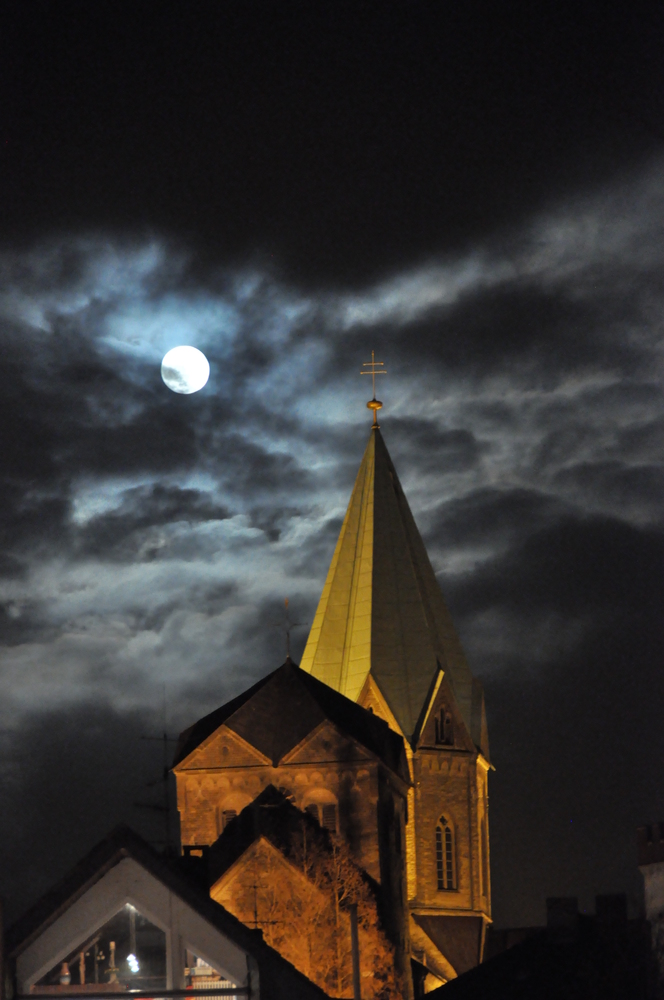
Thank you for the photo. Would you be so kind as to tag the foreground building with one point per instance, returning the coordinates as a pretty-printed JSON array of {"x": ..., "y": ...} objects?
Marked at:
[
  {"x": 577, "y": 956},
  {"x": 381, "y": 736},
  {"x": 125, "y": 919}
]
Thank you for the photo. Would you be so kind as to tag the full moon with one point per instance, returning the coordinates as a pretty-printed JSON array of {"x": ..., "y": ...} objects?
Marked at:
[{"x": 185, "y": 369}]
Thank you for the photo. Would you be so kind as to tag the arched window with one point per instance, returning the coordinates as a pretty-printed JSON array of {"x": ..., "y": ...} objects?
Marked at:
[
  {"x": 444, "y": 733},
  {"x": 445, "y": 862},
  {"x": 229, "y": 808},
  {"x": 226, "y": 816},
  {"x": 322, "y": 805}
]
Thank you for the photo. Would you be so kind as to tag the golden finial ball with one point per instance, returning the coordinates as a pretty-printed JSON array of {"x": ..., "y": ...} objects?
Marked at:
[{"x": 374, "y": 404}]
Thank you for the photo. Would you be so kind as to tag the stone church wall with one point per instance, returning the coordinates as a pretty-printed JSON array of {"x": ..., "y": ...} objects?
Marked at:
[
  {"x": 445, "y": 785},
  {"x": 203, "y": 795}
]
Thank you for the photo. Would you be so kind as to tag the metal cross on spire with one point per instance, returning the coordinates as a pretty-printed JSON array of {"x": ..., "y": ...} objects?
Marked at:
[{"x": 374, "y": 368}]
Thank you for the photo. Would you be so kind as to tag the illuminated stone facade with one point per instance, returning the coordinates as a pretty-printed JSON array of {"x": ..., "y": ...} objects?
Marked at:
[
  {"x": 332, "y": 759},
  {"x": 225, "y": 774}
]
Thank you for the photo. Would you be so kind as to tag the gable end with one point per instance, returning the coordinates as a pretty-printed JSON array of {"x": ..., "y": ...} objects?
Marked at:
[
  {"x": 326, "y": 743},
  {"x": 222, "y": 749}
]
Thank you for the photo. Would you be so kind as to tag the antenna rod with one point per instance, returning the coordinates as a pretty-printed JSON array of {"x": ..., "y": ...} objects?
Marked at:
[{"x": 287, "y": 625}]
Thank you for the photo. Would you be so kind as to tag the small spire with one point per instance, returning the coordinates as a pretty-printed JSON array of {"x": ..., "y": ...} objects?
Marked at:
[{"x": 374, "y": 368}]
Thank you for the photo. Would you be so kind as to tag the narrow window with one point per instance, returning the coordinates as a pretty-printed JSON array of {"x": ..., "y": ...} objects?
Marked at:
[
  {"x": 444, "y": 855},
  {"x": 226, "y": 816},
  {"x": 449, "y": 860},
  {"x": 485, "y": 859},
  {"x": 329, "y": 818},
  {"x": 444, "y": 734},
  {"x": 325, "y": 813}
]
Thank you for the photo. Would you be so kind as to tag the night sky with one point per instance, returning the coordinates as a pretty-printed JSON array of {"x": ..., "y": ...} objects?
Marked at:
[{"x": 475, "y": 191}]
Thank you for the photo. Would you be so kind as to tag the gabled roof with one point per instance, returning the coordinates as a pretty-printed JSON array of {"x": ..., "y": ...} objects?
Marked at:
[
  {"x": 193, "y": 736},
  {"x": 270, "y": 815},
  {"x": 278, "y": 712},
  {"x": 381, "y": 610},
  {"x": 279, "y": 979}
]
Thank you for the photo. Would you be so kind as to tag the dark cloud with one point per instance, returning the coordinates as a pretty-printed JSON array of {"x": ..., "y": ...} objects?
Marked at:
[
  {"x": 453, "y": 450},
  {"x": 68, "y": 776},
  {"x": 573, "y": 709},
  {"x": 416, "y": 130},
  {"x": 573, "y": 567},
  {"x": 638, "y": 489},
  {"x": 131, "y": 530},
  {"x": 206, "y": 600},
  {"x": 32, "y": 521},
  {"x": 315, "y": 554},
  {"x": 541, "y": 333},
  {"x": 66, "y": 413},
  {"x": 497, "y": 518},
  {"x": 251, "y": 470},
  {"x": 25, "y": 621},
  {"x": 253, "y": 649},
  {"x": 645, "y": 440},
  {"x": 72, "y": 407},
  {"x": 273, "y": 520}
]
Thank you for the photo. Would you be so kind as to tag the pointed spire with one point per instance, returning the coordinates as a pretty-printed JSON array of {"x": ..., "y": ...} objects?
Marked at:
[{"x": 381, "y": 612}]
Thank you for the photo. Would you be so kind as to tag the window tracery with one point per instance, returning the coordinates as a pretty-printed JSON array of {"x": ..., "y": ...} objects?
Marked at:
[{"x": 445, "y": 860}]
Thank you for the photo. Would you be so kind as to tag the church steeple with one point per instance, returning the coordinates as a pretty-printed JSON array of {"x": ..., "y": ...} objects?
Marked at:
[
  {"x": 382, "y": 614},
  {"x": 413, "y": 810}
]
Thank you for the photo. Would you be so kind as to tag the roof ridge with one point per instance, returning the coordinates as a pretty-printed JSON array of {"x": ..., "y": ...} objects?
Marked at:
[
  {"x": 194, "y": 735},
  {"x": 367, "y": 729}
]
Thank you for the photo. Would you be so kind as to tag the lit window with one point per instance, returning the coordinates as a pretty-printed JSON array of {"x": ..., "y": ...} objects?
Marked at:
[
  {"x": 128, "y": 951},
  {"x": 444, "y": 855}
]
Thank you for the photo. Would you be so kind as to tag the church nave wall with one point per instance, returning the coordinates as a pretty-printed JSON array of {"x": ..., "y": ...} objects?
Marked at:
[{"x": 352, "y": 788}]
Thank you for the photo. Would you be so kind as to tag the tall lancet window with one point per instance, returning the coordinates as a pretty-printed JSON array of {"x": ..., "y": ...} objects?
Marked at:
[{"x": 444, "y": 854}]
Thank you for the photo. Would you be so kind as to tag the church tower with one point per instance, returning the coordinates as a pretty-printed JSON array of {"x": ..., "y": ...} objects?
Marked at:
[{"x": 383, "y": 636}]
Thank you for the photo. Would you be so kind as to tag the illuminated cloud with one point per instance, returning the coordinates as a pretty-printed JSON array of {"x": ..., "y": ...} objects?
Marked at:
[{"x": 148, "y": 538}]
